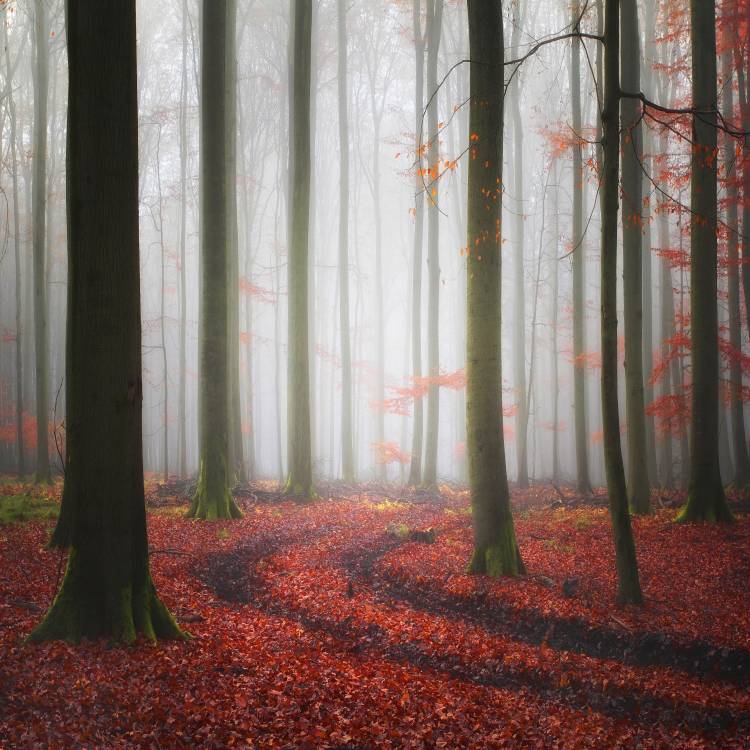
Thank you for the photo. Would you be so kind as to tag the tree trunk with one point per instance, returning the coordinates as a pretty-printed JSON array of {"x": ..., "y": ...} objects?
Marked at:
[
  {"x": 495, "y": 549},
  {"x": 415, "y": 467},
  {"x": 579, "y": 343},
  {"x": 706, "y": 499},
  {"x": 639, "y": 494},
  {"x": 628, "y": 585},
  {"x": 434, "y": 30},
  {"x": 554, "y": 348},
  {"x": 107, "y": 590},
  {"x": 16, "y": 256},
  {"x": 739, "y": 439},
  {"x": 519, "y": 297},
  {"x": 182, "y": 365},
  {"x": 300, "y": 480},
  {"x": 347, "y": 447},
  {"x": 213, "y": 498},
  {"x": 39, "y": 209}
]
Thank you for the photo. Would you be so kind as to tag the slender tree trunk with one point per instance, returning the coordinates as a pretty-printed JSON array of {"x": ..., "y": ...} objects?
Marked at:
[
  {"x": 16, "y": 255},
  {"x": 555, "y": 351},
  {"x": 706, "y": 499},
  {"x": 213, "y": 498},
  {"x": 739, "y": 439},
  {"x": 41, "y": 86},
  {"x": 628, "y": 585},
  {"x": 639, "y": 494},
  {"x": 519, "y": 296},
  {"x": 347, "y": 448},
  {"x": 300, "y": 480},
  {"x": 107, "y": 590},
  {"x": 434, "y": 29},
  {"x": 495, "y": 548},
  {"x": 162, "y": 314},
  {"x": 415, "y": 468},
  {"x": 579, "y": 343},
  {"x": 182, "y": 365}
]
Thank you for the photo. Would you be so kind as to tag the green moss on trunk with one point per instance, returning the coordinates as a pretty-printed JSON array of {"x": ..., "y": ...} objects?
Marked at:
[{"x": 212, "y": 499}]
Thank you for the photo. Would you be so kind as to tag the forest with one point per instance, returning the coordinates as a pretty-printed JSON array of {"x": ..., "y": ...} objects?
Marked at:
[{"x": 374, "y": 374}]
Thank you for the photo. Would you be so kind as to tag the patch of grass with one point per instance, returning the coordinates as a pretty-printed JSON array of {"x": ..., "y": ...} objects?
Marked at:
[
  {"x": 463, "y": 511},
  {"x": 554, "y": 544},
  {"x": 400, "y": 530},
  {"x": 387, "y": 504},
  {"x": 223, "y": 533},
  {"x": 21, "y": 508}
]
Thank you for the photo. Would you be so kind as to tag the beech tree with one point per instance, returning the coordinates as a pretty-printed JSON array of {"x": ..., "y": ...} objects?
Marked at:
[
  {"x": 706, "y": 499},
  {"x": 300, "y": 479},
  {"x": 495, "y": 548},
  {"x": 107, "y": 591},
  {"x": 628, "y": 584},
  {"x": 213, "y": 498}
]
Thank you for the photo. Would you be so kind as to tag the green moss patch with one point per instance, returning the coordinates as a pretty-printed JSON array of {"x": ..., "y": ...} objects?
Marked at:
[{"x": 21, "y": 508}]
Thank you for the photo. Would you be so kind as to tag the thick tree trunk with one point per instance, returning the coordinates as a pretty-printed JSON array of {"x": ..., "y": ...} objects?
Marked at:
[
  {"x": 213, "y": 498},
  {"x": 639, "y": 493},
  {"x": 628, "y": 585},
  {"x": 415, "y": 468},
  {"x": 495, "y": 549},
  {"x": 39, "y": 209},
  {"x": 706, "y": 499},
  {"x": 579, "y": 343},
  {"x": 107, "y": 590},
  {"x": 434, "y": 31},
  {"x": 347, "y": 446},
  {"x": 300, "y": 480}
]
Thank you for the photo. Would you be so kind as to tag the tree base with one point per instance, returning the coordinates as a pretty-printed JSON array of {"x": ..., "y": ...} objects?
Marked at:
[
  {"x": 503, "y": 559},
  {"x": 212, "y": 503},
  {"x": 715, "y": 510},
  {"x": 640, "y": 506},
  {"x": 79, "y": 612},
  {"x": 299, "y": 492}
]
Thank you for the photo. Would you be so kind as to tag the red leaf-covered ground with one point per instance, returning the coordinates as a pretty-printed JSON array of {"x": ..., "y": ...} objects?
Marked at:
[{"x": 325, "y": 625}]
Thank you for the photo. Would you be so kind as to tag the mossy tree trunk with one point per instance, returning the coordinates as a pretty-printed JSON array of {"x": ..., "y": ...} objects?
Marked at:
[
  {"x": 107, "y": 590},
  {"x": 579, "y": 257},
  {"x": 213, "y": 498},
  {"x": 347, "y": 446},
  {"x": 639, "y": 493},
  {"x": 39, "y": 210},
  {"x": 495, "y": 549},
  {"x": 628, "y": 584},
  {"x": 706, "y": 499},
  {"x": 415, "y": 466},
  {"x": 434, "y": 32},
  {"x": 300, "y": 479}
]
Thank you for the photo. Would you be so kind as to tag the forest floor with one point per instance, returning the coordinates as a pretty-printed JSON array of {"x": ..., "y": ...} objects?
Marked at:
[{"x": 334, "y": 625}]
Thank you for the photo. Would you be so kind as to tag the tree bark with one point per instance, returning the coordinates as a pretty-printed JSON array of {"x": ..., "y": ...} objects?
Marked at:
[
  {"x": 628, "y": 584},
  {"x": 300, "y": 479},
  {"x": 495, "y": 548},
  {"x": 434, "y": 31},
  {"x": 639, "y": 493},
  {"x": 347, "y": 448},
  {"x": 706, "y": 499},
  {"x": 213, "y": 498},
  {"x": 39, "y": 209},
  {"x": 107, "y": 590}
]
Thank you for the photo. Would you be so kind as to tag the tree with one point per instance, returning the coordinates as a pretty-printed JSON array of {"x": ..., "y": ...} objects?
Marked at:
[
  {"x": 628, "y": 584},
  {"x": 434, "y": 31},
  {"x": 213, "y": 498},
  {"x": 107, "y": 591},
  {"x": 41, "y": 86},
  {"x": 347, "y": 449},
  {"x": 739, "y": 440},
  {"x": 495, "y": 549},
  {"x": 519, "y": 297},
  {"x": 415, "y": 467},
  {"x": 706, "y": 499},
  {"x": 639, "y": 493},
  {"x": 300, "y": 479},
  {"x": 579, "y": 373}
]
